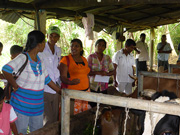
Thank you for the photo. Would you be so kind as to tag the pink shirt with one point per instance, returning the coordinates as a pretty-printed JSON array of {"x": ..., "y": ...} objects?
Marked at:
[{"x": 7, "y": 116}]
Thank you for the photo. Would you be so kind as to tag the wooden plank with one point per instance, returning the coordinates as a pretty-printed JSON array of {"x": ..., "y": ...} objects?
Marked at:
[
  {"x": 65, "y": 113},
  {"x": 125, "y": 102},
  {"x": 171, "y": 66},
  {"x": 161, "y": 75},
  {"x": 139, "y": 104}
]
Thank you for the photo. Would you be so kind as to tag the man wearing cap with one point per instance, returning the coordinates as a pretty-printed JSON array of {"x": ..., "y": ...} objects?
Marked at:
[{"x": 51, "y": 57}]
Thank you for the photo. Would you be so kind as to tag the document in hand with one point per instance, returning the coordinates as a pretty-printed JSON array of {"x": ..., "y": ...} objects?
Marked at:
[{"x": 100, "y": 78}]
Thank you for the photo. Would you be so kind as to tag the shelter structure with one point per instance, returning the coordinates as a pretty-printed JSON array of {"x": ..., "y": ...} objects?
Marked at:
[{"x": 109, "y": 15}]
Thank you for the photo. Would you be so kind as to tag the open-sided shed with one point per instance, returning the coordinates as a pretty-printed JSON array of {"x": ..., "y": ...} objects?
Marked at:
[{"x": 134, "y": 15}]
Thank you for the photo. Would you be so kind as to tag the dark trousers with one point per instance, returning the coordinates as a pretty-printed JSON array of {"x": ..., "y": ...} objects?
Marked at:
[
  {"x": 140, "y": 66},
  {"x": 164, "y": 64}
]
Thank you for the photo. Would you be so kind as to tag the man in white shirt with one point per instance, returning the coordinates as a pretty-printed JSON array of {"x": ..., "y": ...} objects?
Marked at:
[
  {"x": 164, "y": 49},
  {"x": 142, "y": 55},
  {"x": 51, "y": 57},
  {"x": 124, "y": 62}
]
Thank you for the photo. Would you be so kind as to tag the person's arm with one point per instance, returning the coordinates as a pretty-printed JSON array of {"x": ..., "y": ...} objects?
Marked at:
[
  {"x": 63, "y": 75},
  {"x": 2, "y": 76},
  {"x": 14, "y": 129},
  {"x": 161, "y": 51},
  {"x": 53, "y": 86},
  {"x": 138, "y": 52},
  {"x": 115, "y": 82},
  {"x": 13, "y": 118},
  {"x": 162, "y": 47},
  {"x": 9, "y": 77},
  {"x": 103, "y": 73},
  {"x": 93, "y": 73}
]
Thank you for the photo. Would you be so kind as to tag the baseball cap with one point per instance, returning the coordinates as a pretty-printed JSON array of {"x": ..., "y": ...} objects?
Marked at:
[{"x": 53, "y": 29}]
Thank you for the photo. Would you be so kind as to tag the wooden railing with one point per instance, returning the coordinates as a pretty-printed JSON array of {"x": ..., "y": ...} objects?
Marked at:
[{"x": 110, "y": 100}]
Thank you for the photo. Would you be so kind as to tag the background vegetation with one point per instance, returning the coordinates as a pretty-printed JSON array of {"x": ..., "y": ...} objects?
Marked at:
[{"x": 11, "y": 34}]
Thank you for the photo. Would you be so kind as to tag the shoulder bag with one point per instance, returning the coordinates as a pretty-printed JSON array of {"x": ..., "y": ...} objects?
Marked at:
[{"x": 8, "y": 89}]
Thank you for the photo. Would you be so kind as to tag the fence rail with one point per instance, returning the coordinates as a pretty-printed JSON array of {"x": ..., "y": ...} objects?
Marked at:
[
  {"x": 171, "y": 66},
  {"x": 110, "y": 100},
  {"x": 155, "y": 75}
]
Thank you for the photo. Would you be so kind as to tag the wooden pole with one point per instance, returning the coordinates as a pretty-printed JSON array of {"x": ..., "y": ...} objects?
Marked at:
[
  {"x": 119, "y": 44},
  {"x": 40, "y": 21},
  {"x": 65, "y": 113},
  {"x": 151, "y": 48}
]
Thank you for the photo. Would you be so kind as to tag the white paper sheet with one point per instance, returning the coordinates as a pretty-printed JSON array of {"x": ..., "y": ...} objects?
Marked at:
[
  {"x": 1, "y": 131},
  {"x": 100, "y": 78}
]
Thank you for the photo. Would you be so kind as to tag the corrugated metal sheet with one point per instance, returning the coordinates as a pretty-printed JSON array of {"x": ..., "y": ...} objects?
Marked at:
[
  {"x": 11, "y": 17},
  {"x": 134, "y": 15}
]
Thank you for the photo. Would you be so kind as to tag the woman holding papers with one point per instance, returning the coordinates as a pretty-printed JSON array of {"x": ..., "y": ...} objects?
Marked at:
[
  {"x": 101, "y": 68},
  {"x": 77, "y": 67}
]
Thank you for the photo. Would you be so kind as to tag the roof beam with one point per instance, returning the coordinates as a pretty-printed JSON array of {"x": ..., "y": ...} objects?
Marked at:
[
  {"x": 16, "y": 6},
  {"x": 157, "y": 15},
  {"x": 77, "y": 3}
]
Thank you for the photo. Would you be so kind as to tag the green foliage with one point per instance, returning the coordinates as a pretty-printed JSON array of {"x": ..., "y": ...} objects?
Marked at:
[
  {"x": 11, "y": 34},
  {"x": 174, "y": 33}
]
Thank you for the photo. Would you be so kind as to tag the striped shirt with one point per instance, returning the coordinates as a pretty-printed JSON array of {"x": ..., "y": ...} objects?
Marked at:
[{"x": 29, "y": 97}]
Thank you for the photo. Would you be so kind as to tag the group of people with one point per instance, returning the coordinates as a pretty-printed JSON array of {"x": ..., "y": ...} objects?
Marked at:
[
  {"x": 163, "y": 50},
  {"x": 35, "y": 96}
]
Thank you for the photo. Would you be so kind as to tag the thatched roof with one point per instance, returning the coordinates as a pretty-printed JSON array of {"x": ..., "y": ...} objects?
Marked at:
[{"x": 134, "y": 15}]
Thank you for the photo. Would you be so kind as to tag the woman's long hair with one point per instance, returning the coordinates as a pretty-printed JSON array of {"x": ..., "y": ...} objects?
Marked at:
[
  {"x": 34, "y": 38},
  {"x": 80, "y": 43}
]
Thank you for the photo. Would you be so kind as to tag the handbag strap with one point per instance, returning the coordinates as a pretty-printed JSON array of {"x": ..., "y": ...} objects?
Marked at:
[
  {"x": 67, "y": 58},
  {"x": 22, "y": 67},
  {"x": 68, "y": 62}
]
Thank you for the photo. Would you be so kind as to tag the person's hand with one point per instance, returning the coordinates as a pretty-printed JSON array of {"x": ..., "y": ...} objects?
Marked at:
[
  {"x": 59, "y": 91},
  {"x": 160, "y": 51},
  {"x": 75, "y": 81},
  {"x": 103, "y": 73},
  {"x": 138, "y": 52},
  {"x": 15, "y": 88}
]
